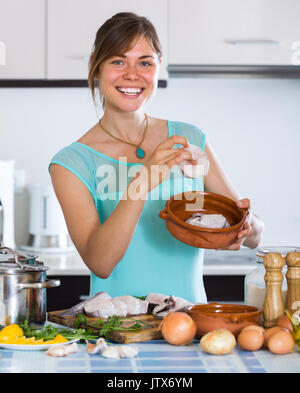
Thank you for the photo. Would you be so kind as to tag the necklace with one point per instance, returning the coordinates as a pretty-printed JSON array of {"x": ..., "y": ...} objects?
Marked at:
[{"x": 140, "y": 153}]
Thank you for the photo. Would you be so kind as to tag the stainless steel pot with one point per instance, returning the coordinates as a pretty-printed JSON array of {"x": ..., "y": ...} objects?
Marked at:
[{"x": 23, "y": 284}]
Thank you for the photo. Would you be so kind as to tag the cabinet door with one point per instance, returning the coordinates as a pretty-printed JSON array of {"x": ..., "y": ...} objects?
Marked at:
[
  {"x": 252, "y": 32},
  {"x": 72, "y": 27},
  {"x": 22, "y": 39}
]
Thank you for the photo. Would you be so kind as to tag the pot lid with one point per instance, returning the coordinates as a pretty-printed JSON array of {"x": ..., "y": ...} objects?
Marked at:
[{"x": 17, "y": 261}]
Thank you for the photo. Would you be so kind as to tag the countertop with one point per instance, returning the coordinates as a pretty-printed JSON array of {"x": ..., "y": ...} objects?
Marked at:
[
  {"x": 154, "y": 357},
  {"x": 215, "y": 263}
]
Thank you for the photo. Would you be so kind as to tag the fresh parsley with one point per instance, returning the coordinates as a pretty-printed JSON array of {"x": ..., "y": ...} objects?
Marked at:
[
  {"x": 116, "y": 323},
  {"x": 49, "y": 332}
]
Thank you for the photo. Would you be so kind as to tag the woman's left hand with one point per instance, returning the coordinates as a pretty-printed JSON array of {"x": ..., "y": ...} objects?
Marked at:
[{"x": 250, "y": 233}]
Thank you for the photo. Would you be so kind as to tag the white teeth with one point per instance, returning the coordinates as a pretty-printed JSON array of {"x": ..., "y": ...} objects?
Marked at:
[{"x": 131, "y": 91}]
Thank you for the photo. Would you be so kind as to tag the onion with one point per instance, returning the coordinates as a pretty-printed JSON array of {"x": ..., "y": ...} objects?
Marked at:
[
  {"x": 285, "y": 323},
  {"x": 178, "y": 328},
  {"x": 218, "y": 342}
]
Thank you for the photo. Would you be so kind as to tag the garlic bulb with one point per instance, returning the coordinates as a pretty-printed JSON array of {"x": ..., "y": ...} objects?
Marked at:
[{"x": 198, "y": 170}]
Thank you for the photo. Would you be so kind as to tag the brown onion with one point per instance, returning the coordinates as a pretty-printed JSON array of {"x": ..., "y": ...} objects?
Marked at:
[
  {"x": 218, "y": 342},
  {"x": 285, "y": 323},
  {"x": 178, "y": 328}
]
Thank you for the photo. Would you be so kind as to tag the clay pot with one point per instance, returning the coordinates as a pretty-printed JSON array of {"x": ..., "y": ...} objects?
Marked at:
[
  {"x": 233, "y": 317},
  {"x": 181, "y": 206}
]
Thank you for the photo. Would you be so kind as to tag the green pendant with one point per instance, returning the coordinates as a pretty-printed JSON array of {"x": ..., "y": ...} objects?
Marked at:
[{"x": 140, "y": 153}]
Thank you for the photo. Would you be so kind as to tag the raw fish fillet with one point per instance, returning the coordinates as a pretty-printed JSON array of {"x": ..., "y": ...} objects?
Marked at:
[
  {"x": 164, "y": 304},
  {"x": 181, "y": 303},
  {"x": 215, "y": 221},
  {"x": 134, "y": 306},
  {"x": 102, "y": 308},
  {"x": 121, "y": 309},
  {"x": 198, "y": 170},
  {"x": 156, "y": 298},
  {"x": 143, "y": 306},
  {"x": 79, "y": 308}
]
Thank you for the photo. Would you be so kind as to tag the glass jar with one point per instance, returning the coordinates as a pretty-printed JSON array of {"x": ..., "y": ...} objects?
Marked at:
[{"x": 255, "y": 287}]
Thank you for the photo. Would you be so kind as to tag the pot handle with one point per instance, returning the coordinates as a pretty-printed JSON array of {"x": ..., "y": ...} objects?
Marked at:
[
  {"x": 163, "y": 214},
  {"x": 246, "y": 210},
  {"x": 39, "y": 285}
]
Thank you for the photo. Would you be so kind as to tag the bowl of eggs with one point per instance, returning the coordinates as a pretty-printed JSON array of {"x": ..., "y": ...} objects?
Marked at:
[
  {"x": 233, "y": 317},
  {"x": 203, "y": 219}
]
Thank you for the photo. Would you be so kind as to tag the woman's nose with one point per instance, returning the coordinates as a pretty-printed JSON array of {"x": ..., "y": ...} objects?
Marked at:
[{"x": 131, "y": 73}]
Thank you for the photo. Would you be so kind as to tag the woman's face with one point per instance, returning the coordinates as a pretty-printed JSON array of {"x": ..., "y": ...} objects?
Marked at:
[{"x": 127, "y": 81}]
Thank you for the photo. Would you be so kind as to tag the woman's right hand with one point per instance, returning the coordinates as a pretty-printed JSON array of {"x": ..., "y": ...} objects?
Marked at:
[{"x": 156, "y": 169}]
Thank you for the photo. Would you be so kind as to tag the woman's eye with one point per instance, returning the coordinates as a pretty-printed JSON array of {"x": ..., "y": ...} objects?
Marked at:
[
  {"x": 145, "y": 63},
  {"x": 117, "y": 62}
]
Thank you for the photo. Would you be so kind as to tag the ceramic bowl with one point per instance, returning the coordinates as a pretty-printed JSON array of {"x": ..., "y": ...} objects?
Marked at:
[
  {"x": 233, "y": 317},
  {"x": 181, "y": 206}
]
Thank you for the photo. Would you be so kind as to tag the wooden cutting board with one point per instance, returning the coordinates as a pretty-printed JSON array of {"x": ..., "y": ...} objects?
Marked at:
[{"x": 145, "y": 334}]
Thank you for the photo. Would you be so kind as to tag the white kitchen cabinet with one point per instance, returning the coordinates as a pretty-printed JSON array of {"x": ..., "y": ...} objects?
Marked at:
[
  {"x": 22, "y": 38},
  {"x": 233, "y": 32},
  {"x": 72, "y": 27}
]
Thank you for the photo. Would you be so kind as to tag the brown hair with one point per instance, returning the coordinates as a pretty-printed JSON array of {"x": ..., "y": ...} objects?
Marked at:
[{"x": 115, "y": 37}]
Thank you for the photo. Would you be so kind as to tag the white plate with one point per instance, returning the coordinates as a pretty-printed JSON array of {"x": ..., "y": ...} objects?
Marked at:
[{"x": 29, "y": 347}]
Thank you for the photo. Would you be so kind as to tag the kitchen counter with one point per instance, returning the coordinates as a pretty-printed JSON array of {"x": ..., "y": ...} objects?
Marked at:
[
  {"x": 215, "y": 263},
  {"x": 154, "y": 357}
]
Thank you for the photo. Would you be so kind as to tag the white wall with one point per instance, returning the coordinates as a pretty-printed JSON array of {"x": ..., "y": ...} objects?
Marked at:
[{"x": 252, "y": 123}]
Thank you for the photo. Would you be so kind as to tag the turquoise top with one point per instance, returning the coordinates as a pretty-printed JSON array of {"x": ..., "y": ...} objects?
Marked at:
[{"x": 155, "y": 261}]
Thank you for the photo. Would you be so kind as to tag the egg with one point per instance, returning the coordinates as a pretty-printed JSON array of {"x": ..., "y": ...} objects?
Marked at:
[
  {"x": 251, "y": 340},
  {"x": 285, "y": 323},
  {"x": 281, "y": 342},
  {"x": 253, "y": 327},
  {"x": 269, "y": 332}
]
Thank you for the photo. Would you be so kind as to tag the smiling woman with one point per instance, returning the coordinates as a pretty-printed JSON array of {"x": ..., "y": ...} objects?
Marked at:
[
  {"x": 125, "y": 31},
  {"x": 119, "y": 235}
]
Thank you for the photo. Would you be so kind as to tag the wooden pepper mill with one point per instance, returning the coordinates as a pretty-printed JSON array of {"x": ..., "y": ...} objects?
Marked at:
[
  {"x": 293, "y": 281},
  {"x": 273, "y": 305}
]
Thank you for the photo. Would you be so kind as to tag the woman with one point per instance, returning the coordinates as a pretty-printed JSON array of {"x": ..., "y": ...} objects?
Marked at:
[{"x": 118, "y": 233}]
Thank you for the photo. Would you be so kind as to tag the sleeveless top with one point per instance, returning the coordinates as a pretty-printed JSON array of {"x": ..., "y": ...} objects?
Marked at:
[{"x": 155, "y": 261}]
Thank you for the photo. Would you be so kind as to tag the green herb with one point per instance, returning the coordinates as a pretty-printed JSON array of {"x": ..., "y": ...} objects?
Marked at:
[
  {"x": 116, "y": 323},
  {"x": 49, "y": 332},
  {"x": 141, "y": 297},
  {"x": 80, "y": 320}
]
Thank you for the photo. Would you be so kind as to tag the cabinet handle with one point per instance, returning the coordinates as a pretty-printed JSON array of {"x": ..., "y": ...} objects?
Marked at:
[
  {"x": 253, "y": 42},
  {"x": 2, "y": 54},
  {"x": 78, "y": 57}
]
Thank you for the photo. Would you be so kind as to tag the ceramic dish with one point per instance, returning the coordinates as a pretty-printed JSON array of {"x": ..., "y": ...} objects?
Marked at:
[
  {"x": 233, "y": 317},
  {"x": 29, "y": 347},
  {"x": 181, "y": 206}
]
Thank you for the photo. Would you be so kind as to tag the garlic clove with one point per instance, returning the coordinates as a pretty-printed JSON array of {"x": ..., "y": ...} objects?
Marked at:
[
  {"x": 128, "y": 351},
  {"x": 62, "y": 350},
  {"x": 93, "y": 349},
  {"x": 111, "y": 352}
]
